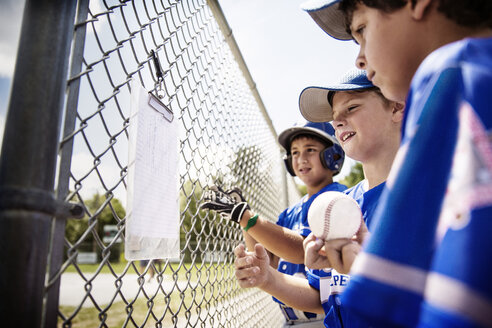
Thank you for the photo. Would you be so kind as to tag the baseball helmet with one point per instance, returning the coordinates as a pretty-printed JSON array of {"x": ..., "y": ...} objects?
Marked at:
[{"x": 331, "y": 157}]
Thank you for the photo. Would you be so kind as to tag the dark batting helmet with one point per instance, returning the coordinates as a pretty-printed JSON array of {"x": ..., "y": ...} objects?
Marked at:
[{"x": 331, "y": 157}]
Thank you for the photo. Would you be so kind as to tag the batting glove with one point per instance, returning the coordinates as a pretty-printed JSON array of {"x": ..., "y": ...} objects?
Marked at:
[{"x": 230, "y": 204}]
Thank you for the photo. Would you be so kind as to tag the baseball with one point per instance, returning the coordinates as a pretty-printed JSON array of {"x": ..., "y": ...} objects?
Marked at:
[{"x": 334, "y": 215}]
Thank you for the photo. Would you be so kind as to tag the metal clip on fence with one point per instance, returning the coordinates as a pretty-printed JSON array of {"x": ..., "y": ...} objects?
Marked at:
[
  {"x": 155, "y": 99},
  {"x": 38, "y": 200},
  {"x": 158, "y": 72}
]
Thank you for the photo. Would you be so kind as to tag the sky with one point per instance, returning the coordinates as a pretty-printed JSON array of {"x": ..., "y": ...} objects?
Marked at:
[
  {"x": 284, "y": 50},
  {"x": 10, "y": 22}
]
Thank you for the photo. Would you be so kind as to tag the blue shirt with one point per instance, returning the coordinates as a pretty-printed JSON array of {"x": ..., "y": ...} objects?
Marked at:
[
  {"x": 295, "y": 218},
  {"x": 329, "y": 282},
  {"x": 428, "y": 260}
]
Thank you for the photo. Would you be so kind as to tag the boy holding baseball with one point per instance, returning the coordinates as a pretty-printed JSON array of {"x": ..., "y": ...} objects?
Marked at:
[
  {"x": 430, "y": 249},
  {"x": 367, "y": 126},
  {"x": 314, "y": 156}
]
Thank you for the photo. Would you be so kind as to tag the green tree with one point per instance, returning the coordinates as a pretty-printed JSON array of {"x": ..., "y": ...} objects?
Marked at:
[
  {"x": 302, "y": 189},
  {"x": 101, "y": 211},
  {"x": 355, "y": 176},
  {"x": 106, "y": 211}
]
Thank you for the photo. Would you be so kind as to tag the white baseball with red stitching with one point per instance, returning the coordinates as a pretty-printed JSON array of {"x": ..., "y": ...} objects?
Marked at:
[{"x": 334, "y": 215}]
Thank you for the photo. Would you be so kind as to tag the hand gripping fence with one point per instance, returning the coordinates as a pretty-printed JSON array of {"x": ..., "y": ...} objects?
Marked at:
[{"x": 184, "y": 52}]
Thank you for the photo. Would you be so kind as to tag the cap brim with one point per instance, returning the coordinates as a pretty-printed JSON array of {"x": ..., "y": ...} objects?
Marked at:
[
  {"x": 327, "y": 15},
  {"x": 313, "y": 101},
  {"x": 314, "y": 105}
]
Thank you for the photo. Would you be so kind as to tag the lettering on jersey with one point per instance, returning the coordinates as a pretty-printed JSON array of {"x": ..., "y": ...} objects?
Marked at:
[
  {"x": 470, "y": 183},
  {"x": 340, "y": 280},
  {"x": 332, "y": 284}
]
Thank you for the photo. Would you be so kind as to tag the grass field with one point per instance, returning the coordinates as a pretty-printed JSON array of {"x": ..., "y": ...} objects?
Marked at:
[
  {"x": 117, "y": 315},
  {"x": 167, "y": 309}
]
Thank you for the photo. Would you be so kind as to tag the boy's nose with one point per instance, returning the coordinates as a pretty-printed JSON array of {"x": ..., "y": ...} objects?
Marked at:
[
  {"x": 338, "y": 122},
  {"x": 360, "y": 61},
  {"x": 303, "y": 157}
]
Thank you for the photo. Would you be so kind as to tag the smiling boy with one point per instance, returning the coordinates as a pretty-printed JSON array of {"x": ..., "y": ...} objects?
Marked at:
[
  {"x": 368, "y": 126},
  {"x": 431, "y": 247},
  {"x": 313, "y": 155}
]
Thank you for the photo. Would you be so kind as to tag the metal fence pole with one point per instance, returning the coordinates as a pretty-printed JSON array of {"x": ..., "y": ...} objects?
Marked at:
[
  {"x": 55, "y": 258},
  {"x": 28, "y": 159}
]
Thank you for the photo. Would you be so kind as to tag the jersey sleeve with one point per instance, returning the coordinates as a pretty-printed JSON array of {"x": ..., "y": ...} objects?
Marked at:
[
  {"x": 401, "y": 261},
  {"x": 313, "y": 278},
  {"x": 281, "y": 218}
]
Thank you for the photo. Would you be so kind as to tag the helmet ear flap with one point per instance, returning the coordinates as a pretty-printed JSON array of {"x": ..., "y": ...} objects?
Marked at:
[
  {"x": 324, "y": 157},
  {"x": 332, "y": 158},
  {"x": 288, "y": 164}
]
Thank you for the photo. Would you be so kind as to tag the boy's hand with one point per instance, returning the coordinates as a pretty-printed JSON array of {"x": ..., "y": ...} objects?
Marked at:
[
  {"x": 314, "y": 256},
  {"x": 252, "y": 268},
  {"x": 338, "y": 254},
  {"x": 230, "y": 204},
  {"x": 342, "y": 252}
]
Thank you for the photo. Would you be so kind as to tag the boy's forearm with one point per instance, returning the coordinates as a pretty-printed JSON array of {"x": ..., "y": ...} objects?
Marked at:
[
  {"x": 250, "y": 246},
  {"x": 283, "y": 242},
  {"x": 250, "y": 241},
  {"x": 293, "y": 291}
]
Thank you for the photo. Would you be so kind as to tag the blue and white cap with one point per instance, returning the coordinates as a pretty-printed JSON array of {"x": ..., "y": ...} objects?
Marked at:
[
  {"x": 327, "y": 15},
  {"x": 313, "y": 101}
]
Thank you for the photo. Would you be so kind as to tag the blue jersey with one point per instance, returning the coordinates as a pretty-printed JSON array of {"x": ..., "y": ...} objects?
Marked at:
[
  {"x": 366, "y": 199},
  {"x": 428, "y": 260},
  {"x": 329, "y": 282},
  {"x": 295, "y": 218}
]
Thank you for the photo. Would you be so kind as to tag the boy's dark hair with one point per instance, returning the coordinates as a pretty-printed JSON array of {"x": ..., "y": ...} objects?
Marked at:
[
  {"x": 469, "y": 13},
  {"x": 307, "y": 135}
]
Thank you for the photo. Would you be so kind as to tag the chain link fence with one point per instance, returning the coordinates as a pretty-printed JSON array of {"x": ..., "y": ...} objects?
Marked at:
[{"x": 224, "y": 136}]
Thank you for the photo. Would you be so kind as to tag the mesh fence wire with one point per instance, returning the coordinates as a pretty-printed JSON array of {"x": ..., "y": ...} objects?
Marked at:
[{"x": 224, "y": 137}]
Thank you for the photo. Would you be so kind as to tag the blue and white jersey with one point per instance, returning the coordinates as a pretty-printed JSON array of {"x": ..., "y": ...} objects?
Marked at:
[
  {"x": 429, "y": 256},
  {"x": 366, "y": 199},
  {"x": 329, "y": 282},
  {"x": 295, "y": 218}
]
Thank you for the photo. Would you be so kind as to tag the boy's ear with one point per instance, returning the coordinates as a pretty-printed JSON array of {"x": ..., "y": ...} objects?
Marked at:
[
  {"x": 419, "y": 8},
  {"x": 398, "y": 111}
]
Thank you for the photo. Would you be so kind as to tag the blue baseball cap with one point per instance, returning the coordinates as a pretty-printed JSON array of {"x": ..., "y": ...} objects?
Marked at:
[
  {"x": 328, "y": 16},
  {"x": 313, "y": 101}
]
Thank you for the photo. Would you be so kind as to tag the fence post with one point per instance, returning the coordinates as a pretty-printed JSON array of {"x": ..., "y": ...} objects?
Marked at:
[
  {"x": 55, "y": 257},
  {"x": 29, "y": 156}
]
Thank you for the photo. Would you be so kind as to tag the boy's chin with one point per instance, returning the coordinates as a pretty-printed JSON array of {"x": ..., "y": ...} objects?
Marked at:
[{"x": 394, "y": 95}]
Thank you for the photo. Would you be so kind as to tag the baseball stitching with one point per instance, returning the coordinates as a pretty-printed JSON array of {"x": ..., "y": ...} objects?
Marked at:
[
  {"x": 361, "y": 218},
  {"x": 326, "y": 228}
]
